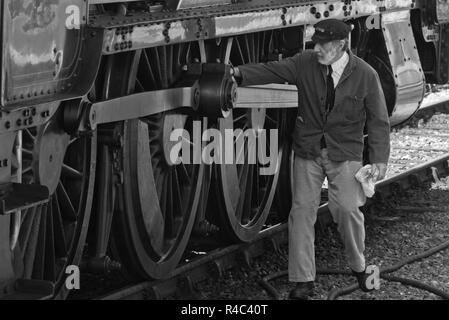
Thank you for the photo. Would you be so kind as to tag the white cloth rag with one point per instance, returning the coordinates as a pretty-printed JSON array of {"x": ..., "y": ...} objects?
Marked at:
[{"x": 366, "y": 179}]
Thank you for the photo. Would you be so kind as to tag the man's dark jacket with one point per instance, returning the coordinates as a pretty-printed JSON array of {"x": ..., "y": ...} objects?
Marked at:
[{"x": 358, "y": 99}]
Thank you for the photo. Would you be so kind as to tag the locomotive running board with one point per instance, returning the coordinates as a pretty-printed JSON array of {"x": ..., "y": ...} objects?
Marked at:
[
  {"x": 144, "y": 104},
  {"x": 20, "y": 196}
]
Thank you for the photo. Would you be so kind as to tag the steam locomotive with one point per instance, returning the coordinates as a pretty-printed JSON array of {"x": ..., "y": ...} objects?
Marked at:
[{"x": 92, "y": 92}]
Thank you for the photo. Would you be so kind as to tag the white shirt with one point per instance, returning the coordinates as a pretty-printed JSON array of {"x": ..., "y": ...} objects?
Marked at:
[{"x": 338, "y": 67}]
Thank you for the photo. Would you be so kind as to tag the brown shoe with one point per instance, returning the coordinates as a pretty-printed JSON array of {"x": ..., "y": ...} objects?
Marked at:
[{"x": 302, "y": 291}]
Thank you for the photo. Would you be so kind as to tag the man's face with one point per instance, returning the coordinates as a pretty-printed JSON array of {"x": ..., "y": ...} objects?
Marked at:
[{"x": 327, "y": 52}]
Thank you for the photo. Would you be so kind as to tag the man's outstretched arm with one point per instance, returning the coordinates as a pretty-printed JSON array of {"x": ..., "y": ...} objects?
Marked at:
[{"x": 271, "y": 72}]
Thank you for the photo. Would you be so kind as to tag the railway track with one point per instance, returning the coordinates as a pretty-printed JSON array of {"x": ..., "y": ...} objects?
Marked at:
[
  {"x": 218, "y": 261},
  {"x": 215, "y": 261}
]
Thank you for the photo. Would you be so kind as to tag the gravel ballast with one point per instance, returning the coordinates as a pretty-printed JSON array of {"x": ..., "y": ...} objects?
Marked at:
[{"x": 390, "y": 236}]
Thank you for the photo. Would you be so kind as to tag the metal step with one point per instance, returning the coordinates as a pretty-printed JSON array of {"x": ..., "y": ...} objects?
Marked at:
[{"x": 20, "y": 196}]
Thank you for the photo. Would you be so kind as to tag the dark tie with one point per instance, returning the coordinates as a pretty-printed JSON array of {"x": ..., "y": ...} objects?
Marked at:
[{"x": 330, "y": 97}]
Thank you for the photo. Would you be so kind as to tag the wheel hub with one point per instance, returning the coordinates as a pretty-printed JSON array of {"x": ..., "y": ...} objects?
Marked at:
[{"x": 52, "y": 143}]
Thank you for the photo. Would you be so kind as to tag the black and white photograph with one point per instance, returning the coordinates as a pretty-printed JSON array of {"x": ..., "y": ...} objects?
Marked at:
[{"x": 224, "y": 159}]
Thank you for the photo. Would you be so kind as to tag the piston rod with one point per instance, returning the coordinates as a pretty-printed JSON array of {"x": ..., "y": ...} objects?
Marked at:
[{"x": 152, "y": 102}]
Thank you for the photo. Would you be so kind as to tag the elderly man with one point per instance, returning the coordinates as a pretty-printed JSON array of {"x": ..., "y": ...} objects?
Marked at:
[{"x": 339, "y": 94}]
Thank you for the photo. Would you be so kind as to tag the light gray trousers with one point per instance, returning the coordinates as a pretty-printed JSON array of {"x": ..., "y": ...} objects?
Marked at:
[{"x": 345, "y": 197}]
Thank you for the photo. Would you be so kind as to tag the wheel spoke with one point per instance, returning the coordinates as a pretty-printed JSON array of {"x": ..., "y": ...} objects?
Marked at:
[
  {"x": 262, "y": 45},
  {"x": 152, "y": 81},
  {"x": 39, "y": 261},
  {"x": 240, "y": 117},
  {"x": 243, "y": 180},
  {"x": 183, "y": 174},
  {"x": 60, "y": 239},
  {"x": 176, "y": 55},
  {"x": 256, "y": 185},
  {"x": 163, "y": 197},
  {"x": 239, "y": 47},
  {"x": 252, "y": 46},
  {"x": 248, "y": 197},
  {"x": 178, "y": 204},
  {"x": 140, "y": 87},
  {"x": 27, "y": 153},
  {"x": 29, "y": 251},
  {"x": 29, "y": 135},
  {"x": 70, "y": 172},
  {"x": 67, "y": 210},
  {"x": 169, "y": 64},
  {"x": 50, "y": 259},
  {"x": 227, "y": 51},
  {"x": 267, "y": 117},
  {"x": 158, "y": 73},
  {"x": 26, "y": 170},
  {"x": 169, "y": 214},
  {"x": 70, "y": 233},
  {"x": 25, "y": 229}
]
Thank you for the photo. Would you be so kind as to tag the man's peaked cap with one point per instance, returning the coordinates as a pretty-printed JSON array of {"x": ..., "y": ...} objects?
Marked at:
[{"x": 330, "y": 29}]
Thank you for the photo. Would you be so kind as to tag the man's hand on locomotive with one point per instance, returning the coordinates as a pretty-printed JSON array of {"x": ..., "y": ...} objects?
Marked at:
[{"x": 235, "y": 73}]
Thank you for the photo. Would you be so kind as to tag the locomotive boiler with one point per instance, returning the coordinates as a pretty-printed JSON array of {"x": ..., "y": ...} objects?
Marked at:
[{"x": 93, "y": 91}]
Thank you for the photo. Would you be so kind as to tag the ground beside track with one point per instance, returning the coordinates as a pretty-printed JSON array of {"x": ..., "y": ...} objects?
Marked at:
[
  {"x": 419, "y": 142},
  {"x": 390, "y": 236}
]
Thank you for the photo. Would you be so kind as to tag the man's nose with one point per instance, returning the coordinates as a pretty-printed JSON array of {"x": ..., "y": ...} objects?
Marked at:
[{"x": 317, "y": 47}]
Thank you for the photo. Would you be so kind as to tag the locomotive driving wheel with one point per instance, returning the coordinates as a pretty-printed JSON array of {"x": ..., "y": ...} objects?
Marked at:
[
  {"x": 245, "y": 195},
  {"x": 52, "y": 236},
  {"x": 159, "y": 198}
]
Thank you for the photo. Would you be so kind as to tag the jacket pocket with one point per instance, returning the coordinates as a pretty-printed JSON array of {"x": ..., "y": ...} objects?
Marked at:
[{"x": 353, "y": 108}]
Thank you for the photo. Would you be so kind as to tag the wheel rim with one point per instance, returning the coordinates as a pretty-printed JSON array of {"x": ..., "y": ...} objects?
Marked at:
[
  {"x": 52, "y": 235},
  {"x": 244, "y": 194},
  {"x": 159, "y": 199}
]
